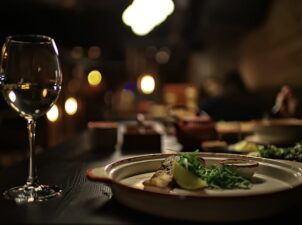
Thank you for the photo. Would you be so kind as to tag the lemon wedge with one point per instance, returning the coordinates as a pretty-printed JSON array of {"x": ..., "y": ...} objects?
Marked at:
[{"x": 185, "y": 179}]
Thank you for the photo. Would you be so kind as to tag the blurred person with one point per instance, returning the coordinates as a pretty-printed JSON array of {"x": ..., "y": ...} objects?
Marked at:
[{"x": 286, "y": 103}]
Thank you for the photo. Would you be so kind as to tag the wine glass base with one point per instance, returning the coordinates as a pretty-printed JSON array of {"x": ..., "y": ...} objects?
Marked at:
[{"x": 32, "y": 193}]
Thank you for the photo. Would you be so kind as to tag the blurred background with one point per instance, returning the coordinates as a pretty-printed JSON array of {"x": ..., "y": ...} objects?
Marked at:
[{"x": 123, "y": 57}]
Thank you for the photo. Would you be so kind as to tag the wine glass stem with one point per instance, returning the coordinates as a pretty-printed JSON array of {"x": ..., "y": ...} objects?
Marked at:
[{"x": 32, "y": 176}]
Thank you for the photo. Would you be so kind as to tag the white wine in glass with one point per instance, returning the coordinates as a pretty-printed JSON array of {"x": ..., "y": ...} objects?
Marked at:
[{"x": 30, "y": 79}]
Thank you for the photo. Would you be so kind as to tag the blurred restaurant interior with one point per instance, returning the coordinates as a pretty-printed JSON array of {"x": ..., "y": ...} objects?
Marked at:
[{"x": 227, "y": 59}]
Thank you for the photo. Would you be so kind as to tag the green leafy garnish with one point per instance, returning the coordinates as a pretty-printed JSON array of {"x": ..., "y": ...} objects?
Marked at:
[
  {"x": 289, "y": 153},
  {"x": 217, "y": 176},
  {"x": 224, "y": 177}
]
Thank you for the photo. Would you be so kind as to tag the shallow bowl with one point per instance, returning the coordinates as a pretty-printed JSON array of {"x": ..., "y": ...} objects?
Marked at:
[{"x": 245, "y": 168}]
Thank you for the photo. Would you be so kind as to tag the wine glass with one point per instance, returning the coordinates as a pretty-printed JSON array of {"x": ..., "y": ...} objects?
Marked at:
[{"x": 30, "y": 79}]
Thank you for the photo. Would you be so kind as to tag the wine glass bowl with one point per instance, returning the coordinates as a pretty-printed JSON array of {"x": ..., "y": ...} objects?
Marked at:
[{"x": 30, "y": 79}]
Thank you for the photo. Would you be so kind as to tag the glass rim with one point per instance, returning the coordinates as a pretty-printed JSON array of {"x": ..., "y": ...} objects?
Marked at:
[{"x": 30, "y": 39}]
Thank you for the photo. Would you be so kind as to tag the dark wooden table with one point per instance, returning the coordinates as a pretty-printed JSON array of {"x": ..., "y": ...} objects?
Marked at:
[{"x": 83, "y": 201}]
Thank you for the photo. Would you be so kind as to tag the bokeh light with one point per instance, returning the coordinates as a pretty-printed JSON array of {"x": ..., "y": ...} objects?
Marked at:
[
  {"x": 94, "y": 78},
  {"x": 12, "y": 96},
  {"x": 71, "y": 106},
  {"x": 53, "y": 114},
  {"x": 144, "y": 15},
  {"x": 94, "y": 52},
  {"x": 163, "y": 56},
  {"x": 44, "y": 92},
  {"x": 147, "y": 84},
  {"x": 77, "y": 52}
]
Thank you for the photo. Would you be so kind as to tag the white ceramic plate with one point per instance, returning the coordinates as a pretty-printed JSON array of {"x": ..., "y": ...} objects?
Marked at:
[{"x": 275, "y": 186}]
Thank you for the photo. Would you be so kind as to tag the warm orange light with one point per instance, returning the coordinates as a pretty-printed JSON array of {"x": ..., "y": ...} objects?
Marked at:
[
  {"x": 44, "y": 92},
  {"x": 25, "y": 86},
  {"x": 77, "y": 52},
  {"x": 94, "y": 78},
  {"x": 94, "y": 52}
]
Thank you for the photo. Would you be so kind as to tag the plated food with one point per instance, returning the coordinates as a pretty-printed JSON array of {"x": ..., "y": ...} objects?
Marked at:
[
  {"x": 293, "y": 152},
  {"x": 288, "y": 153},
  {"x": 191, "y": 172},
  {"x": 275, "y": 185},
  {"x": 162, "y": 179}
]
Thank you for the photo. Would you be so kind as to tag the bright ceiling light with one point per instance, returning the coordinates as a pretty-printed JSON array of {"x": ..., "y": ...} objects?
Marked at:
[
  {"x": 53, "y": 113},
  {"x": 144, "y": 15},
  {"x": 71, "y": 106}
]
